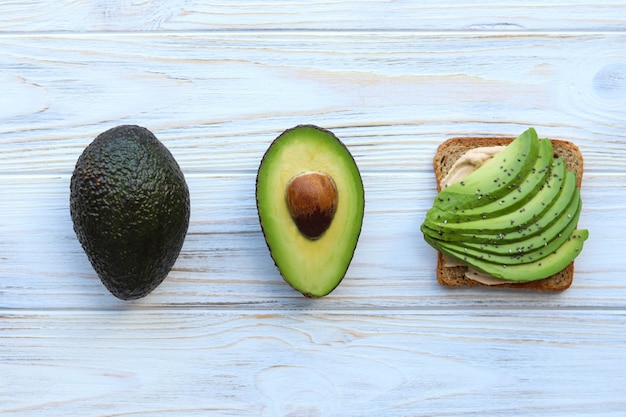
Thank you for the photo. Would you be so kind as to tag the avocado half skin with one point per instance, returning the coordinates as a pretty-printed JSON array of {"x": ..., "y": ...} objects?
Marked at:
[
  {"x": 130, "y": 209},
  {"x": 357, "y": 213}
]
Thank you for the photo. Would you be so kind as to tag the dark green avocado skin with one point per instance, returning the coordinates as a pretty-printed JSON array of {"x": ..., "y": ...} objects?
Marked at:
[{"x": 129, "y": 204}]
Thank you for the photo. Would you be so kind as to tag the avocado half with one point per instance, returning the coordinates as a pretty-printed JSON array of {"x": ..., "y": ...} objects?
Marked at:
[{"x": 310, "y": 202}]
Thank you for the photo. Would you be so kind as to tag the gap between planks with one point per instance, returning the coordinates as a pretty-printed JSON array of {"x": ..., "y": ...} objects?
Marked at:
[
  {"x": 244, "y": 310},
  {"x": 295, "y": 32}
]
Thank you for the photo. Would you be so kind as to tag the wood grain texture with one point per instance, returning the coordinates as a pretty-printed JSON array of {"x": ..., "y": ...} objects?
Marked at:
[
  {"x": 224, "y": 335},
  {"x": 185, "y": 15},
  {"x": 225, "y": 262},
  {"x": 168, "y": 362},
  {"x": 217, "y": 100},
  {"x": 391, "y": 98}
]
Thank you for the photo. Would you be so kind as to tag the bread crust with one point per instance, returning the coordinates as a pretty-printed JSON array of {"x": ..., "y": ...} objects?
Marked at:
[{"x": 451, "y": 150}]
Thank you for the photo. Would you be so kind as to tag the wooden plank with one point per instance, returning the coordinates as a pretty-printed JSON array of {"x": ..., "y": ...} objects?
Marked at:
[
  {"x": 224, "y": 335},
  {"x": 179, "y": 15},
  {"x": 355, "y": 363},
  {"x": 217, "y": 100},
  {"x": 225, "y": 261}
]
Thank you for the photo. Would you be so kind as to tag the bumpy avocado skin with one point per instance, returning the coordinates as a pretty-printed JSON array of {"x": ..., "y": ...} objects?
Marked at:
[{"x": 129, "y": 204}]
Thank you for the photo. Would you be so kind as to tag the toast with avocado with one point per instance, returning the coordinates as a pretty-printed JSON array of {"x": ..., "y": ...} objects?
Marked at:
[{"x": 512, "y": 222}]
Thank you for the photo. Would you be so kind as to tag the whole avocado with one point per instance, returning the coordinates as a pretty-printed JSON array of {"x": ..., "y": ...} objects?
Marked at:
[{"x": 129, "y": 204}]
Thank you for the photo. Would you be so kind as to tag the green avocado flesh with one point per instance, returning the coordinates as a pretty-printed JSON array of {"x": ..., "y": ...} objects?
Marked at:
[
  {"x": 526, "y": 233},
  {"x": 507, "y": 203},
  {"x": 312, "y": 251},
  {"x": 129, "y": 204},
  {"x": 496, "y": 178}
]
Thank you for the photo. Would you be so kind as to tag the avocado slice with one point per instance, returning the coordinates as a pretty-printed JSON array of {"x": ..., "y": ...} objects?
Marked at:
[
  {"x": 534, "y": 248},
  {"x": 532, "y": 220},
  {"x": 129, "y": 204},
  {"x": 513, "y": 199},
  {"x": 541, "y": 268},
  {"x": 555, "y": 195},
  {"x": 310, "y": 202},
  {"x": 496, "y": 178},
  {"x": 532, "y": 237}
]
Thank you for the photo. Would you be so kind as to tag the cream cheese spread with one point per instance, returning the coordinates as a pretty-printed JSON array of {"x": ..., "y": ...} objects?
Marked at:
[{"x": 469, "y": 162}]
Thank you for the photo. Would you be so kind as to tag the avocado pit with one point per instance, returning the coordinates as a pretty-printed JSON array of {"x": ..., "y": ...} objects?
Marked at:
[{"x": 312, "y": 202}]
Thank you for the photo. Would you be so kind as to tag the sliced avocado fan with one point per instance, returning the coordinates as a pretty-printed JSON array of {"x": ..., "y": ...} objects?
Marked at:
[{"x": 513, "y": 218}]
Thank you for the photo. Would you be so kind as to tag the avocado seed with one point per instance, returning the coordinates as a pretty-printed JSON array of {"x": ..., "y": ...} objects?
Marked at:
[{"x": 312, "y": 202}]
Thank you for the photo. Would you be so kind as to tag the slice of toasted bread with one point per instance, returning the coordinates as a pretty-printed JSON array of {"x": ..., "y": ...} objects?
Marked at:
[{"x": 451, "y": 150}]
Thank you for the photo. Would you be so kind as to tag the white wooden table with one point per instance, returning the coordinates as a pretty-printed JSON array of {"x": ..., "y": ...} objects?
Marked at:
[{"x": 224, "y": 335}]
